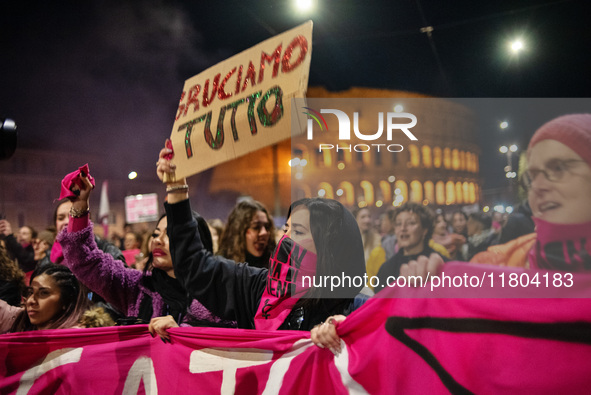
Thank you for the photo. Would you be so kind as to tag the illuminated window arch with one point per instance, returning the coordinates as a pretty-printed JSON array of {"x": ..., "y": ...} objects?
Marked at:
[
  {"x": 450, "y": 192},
  {"x": 472, "y": 192},
  {"x": 327, "y": 157},
  {"x": 386, "y": 191},
  {"x": 466, "y": 192},
  {"x": 440, "y": 193},
  {"x": 437, "y": 157},
  {"x": 427, "y": 159},
  {"x": 429, "y": 191},
  {"x": 476, "y": 165},
  {"x": 416, "y": 191},
  {"x": 463, "y": 165},
  {"x": 469, "y": 162},
  {"x": 455, "y": 159},
  {"x": 401, "y": 185},
  {"x": 328, "y": 191},
  {"x": 415, "y": 157},
  {"x": 447, "y": 158},
  {"x": 368, "y": 192},
  {"x": 348, "y": 196},
  {"x": 459, "y": 194}
]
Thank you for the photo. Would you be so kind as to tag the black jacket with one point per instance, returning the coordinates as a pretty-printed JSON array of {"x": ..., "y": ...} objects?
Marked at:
[
  {"x": 230, "y": 290},
  {"x": 25, "y": 256},
  {"x": 392, "y": 266}
]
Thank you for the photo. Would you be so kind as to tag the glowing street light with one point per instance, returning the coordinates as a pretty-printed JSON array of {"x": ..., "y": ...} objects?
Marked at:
[
  {"x": 504, "y": 125},
  {"x": 517, "y": 46},
  {"x": 132, "y": 175},
  {"x": 304, "y": 5},
  {"x": 509, "y": 173}
]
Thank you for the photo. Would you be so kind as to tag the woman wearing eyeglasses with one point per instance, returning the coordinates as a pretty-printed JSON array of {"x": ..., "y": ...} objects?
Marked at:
[
  {"x": 558, "y": 183},
  {"x": 249, "y": 235}
]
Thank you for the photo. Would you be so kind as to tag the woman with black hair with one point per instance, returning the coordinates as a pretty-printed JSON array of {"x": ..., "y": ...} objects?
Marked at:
[
  {"x": 322, "y": 239},
  {"x": 54, "y": 300},
  {"x": 140, "y": 295}
]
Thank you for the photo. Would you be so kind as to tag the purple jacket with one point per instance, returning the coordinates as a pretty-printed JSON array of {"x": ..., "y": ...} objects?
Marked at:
[{"x": 122, "y": 287}]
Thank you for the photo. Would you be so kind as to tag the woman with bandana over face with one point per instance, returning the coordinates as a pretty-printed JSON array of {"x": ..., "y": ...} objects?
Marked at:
[{"x": 321, "y": 239}]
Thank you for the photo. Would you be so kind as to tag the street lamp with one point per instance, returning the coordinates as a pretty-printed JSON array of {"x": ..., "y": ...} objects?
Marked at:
[
  {"x": 304, "y": 5},
  {"x": 509, "y": 173},
  {"x": 517, "y": 46}
]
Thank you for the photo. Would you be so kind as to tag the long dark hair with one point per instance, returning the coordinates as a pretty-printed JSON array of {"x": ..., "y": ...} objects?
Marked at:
[
  {"x": 11, "y": 273},
  {"x": 339, "y": 248},
  {"x": 203, "y": 232},
  {"x": 72, "y": 297}
]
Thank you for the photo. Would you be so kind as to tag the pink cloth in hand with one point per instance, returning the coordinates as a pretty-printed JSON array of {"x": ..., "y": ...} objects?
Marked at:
[
  {"x": 57, "y": 255},
  {"x": 74, "y": 179},
  {"x": 169, "y": 146}
]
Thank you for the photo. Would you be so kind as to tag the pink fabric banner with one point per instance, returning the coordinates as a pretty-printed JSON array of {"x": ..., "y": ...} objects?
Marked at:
[{"x": 391, "y": 345}]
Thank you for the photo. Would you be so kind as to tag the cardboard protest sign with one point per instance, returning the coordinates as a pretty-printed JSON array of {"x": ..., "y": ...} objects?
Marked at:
[{"x": 241, "y": 104}]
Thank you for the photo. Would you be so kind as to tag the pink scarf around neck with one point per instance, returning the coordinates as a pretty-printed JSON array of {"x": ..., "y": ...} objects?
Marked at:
[
  {"x": 288, "y": 265},
  {"x": 561, "y": 247}
]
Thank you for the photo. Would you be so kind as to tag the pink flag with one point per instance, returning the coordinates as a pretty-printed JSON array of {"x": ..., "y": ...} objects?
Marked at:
[
  {"x": 391, "y": 345},
  {"x": 104, "y": 208}
]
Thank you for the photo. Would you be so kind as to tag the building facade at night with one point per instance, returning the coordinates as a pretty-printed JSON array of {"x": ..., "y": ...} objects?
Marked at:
[{"x": 439, "y": 169}]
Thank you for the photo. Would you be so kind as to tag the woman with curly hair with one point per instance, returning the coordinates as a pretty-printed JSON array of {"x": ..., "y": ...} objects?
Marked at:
[
  {"x": 249, "y": 234},
  {"x": 12, "y": 279}
]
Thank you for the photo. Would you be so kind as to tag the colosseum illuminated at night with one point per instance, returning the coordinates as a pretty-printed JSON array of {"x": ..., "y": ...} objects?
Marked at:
[{"x": 439, "y": 169}]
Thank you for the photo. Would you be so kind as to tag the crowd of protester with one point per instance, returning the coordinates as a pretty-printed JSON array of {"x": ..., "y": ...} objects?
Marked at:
[{"x": 193, "y": 272}]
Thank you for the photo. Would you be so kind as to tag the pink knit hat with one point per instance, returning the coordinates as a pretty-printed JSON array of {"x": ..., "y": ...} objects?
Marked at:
[{"x": 572, "y": 130}]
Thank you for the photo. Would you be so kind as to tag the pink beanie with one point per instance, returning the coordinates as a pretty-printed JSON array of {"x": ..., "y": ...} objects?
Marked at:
[{"x": 572, "y": 130}]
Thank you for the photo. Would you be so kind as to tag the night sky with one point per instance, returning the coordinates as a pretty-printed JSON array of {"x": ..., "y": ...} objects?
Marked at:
[{"x": 105, "y": 77}]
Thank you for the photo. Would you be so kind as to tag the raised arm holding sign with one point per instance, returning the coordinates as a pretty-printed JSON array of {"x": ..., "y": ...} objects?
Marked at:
[{"x": 238, "y": 106}]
